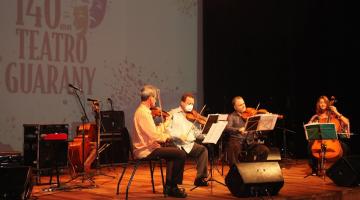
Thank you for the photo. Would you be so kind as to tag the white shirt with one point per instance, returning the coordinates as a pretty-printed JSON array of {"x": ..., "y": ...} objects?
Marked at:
[
  {"x": 180, "y": 127},
  {"x": 145, "y": 136}
]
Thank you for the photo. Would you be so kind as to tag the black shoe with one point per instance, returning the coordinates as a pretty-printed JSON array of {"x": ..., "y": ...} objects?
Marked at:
[
  {"x": 200, "y": 182},
  {"x": 175, "y": 192}
]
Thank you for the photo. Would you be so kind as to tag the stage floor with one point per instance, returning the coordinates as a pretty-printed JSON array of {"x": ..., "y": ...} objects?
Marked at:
[{"x": 294, "y": 171}]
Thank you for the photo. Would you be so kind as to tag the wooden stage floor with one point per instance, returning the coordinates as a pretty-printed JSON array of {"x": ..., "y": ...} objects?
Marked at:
[{"x": 295, "y": 186}]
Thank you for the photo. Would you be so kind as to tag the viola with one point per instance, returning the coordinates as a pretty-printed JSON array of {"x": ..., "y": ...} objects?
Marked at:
[
  {"x": 195, "y": 116},
  {"x": 333, "y": 147},
  {"x": 157, "y": 112},
  {"x": 252, "y": 111}
]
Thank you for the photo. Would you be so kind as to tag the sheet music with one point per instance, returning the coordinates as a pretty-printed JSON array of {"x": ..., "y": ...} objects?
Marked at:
[
  {"x": 215, "y": 132},
  {"x": 267, "y": 122},
  {"x": 261, "y": 122},
  {"x": 315, "y": 131},
  {"x": 222, "y": 117}
]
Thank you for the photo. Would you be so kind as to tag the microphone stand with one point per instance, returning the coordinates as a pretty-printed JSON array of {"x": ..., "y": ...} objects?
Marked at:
[
  {"x": 84, "y": 118},
  {"x": 98, "y": 125}
]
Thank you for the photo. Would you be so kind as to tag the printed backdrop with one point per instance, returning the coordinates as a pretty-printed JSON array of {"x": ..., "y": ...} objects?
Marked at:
[{"x": 106, "y": 48}]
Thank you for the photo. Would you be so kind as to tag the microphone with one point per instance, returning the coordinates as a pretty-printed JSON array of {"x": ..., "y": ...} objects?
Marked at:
[
  {"x": 111, "y": 103},
  {"x": 75, "y": 88},
  {"x": 93, "y": 100}
]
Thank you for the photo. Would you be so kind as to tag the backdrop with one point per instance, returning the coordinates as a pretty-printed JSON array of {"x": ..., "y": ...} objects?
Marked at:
[{"x": 108, "y": 49}]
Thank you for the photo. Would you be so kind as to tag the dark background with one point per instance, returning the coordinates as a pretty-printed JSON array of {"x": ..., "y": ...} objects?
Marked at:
[{"x": 283, "y": 55}]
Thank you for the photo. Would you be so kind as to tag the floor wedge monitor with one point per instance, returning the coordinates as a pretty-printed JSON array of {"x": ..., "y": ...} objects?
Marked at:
[{"x": 254, "y": 179}]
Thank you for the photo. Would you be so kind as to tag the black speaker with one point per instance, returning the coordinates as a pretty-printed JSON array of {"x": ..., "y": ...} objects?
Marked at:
[
  {"x": 254, "y": 179},
  {"x": 112, "y": 121},
  {"x": 15, "y": 183},
  {"x": 117, "y": 147},
  {"x": 274, "y": 154},
  {"x": 345, "y": 171},
  {"x": 40, "y": 153}
]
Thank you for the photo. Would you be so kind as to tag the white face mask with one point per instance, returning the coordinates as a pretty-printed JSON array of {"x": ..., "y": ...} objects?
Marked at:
[{"x": 189, "y": 107}]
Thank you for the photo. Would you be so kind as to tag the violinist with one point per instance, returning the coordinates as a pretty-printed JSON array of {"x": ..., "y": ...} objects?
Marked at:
[
  {"x": 326, "y": 112},
  {"x": 146, "y": 138},
  {"x": 240, "y": 141},
  {"x": 183, "y": 127}
]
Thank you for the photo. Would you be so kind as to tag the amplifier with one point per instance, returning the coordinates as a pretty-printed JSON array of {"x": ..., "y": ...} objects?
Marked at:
[{"x": 39, "y": 148}]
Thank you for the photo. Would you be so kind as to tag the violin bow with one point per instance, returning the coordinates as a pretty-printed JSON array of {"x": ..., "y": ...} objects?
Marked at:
[
  {"x": 257, "y": 107},
  {"x": 193, "y": 124},
  {"x": 202, "y": 109},
  {"x": 160, "y": 105}
]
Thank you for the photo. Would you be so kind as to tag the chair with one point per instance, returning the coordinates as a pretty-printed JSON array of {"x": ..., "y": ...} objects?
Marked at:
[{"x": 137, "y": 163}]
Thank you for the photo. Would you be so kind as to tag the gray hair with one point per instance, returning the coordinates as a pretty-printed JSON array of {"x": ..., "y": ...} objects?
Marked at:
[
  {"x": 235, "y": 99},
  {"x": 148, "y": 91}
]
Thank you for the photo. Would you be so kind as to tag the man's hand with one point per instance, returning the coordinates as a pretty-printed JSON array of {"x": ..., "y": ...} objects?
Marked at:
[{"x": 242, "y": 130}]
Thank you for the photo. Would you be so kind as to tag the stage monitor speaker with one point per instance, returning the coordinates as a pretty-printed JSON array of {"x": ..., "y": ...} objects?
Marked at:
[
  {"x": 345, "y": 171},
  {"x": 274, "y": 154},
  {"x": 254, "y": 179},
  {"x": 112, "y": 121},
  {"x": 15, "y": 183}
]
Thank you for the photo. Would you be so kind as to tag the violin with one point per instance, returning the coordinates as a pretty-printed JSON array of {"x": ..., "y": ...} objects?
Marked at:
[
  {"x": 195, "y": 116},
  {"x": 157, "y": 112},
  {"x": 252, "y": 111}
]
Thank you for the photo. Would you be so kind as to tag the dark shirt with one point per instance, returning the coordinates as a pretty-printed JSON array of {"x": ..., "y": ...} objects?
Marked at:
[{"x": 235, "y": 121}]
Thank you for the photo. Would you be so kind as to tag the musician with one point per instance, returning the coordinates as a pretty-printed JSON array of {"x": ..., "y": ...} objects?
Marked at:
[
  {"x": 146, "y": 138},
  {"x": 240, "y": 141},
  {"x": 187, "y": 132},
  {"x": 327, "y": 113}
]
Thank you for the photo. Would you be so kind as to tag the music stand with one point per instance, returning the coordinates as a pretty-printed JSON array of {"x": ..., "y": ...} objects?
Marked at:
[
  {"x": 261, "y": 122},
  {"x": 212, "y": 130},
  {"x": 321, "y": 131}
]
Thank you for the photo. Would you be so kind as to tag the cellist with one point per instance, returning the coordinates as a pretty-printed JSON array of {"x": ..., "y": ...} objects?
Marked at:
[{"x": 326, "y": 112}]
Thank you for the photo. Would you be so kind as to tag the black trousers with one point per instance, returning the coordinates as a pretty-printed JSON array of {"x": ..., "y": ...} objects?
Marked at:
[
  {"x": 235, "y": 146},
  {"x": 175, "y": 161},
  {"x": 200, "y": 153}
]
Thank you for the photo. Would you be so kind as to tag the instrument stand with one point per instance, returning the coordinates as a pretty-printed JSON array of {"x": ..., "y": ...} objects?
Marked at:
[
  {"x": 211, "y": 179},
  {"x": 98, "y": 125}
]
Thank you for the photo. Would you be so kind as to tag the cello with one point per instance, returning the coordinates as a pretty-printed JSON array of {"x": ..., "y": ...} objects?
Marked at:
[{"x": 332, "y": 147}]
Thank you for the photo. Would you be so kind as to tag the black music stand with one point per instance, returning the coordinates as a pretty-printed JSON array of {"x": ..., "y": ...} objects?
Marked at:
[
  {"x": 285, "y": 154},
  {"x": 321, "y": 131},
  {"x": 261, "y": 122},
  {"x": 212, "y": 130}
]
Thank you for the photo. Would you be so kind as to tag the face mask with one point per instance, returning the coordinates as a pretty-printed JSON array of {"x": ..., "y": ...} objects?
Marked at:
[{"x": 188, "y": 108}]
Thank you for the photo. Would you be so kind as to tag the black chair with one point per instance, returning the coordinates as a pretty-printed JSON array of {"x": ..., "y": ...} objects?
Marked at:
[{"x": 137, "y": 162}]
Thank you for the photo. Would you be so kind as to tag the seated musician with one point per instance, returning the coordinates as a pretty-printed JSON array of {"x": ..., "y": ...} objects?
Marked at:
[
  {"x": 327, "y": 113},
  {"x": 240, "y": 141},
  {"x": 188, "y": 132},
  {"x": 147, "y": 137}
]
